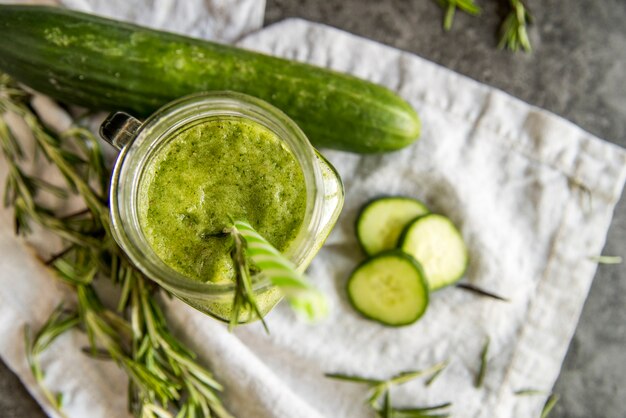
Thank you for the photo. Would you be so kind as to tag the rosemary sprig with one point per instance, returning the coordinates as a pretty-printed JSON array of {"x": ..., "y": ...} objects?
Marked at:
[
  {"x": 513, "y": 30},
  {"x": 514, "y": 35},
  {"x": 165, "y": 378},
  {"x": 450, "y": 6},
  {"x": 379, "y": 387},
  {"x": 58, "y": 322}
]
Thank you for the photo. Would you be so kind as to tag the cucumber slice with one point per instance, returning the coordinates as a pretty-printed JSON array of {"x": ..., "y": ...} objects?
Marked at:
[
  {"x": 437, "y": 245},
  {"x": 389, "y": 288},
  {"x": 381, "y": 222}
]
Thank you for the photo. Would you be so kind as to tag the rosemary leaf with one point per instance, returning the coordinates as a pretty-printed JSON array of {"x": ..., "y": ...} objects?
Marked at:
[
  {"x": 164, "y": 377},
  {"x": 427, "y": 408},
  {"x": 10, "y": 147},
  {"x": 450, "y": 6},
  {"x": 376, "y": 392},
  {"x": 99, "y": 354},
  {"x": 468, "y": 6},
  {"x": 154, "y": 411},
  {"x": 407, "y": 376},
  {"x": 437, "y": 373},
  {"x": 549, "y": 405},
  {"x": 606, "y": 259},
  {"x": 435, "y": 411},
  {"x": 480, "y": 377},
  {"x": 354, "y": 379},
  {"x": 387, "y": 405},
  {"x": 529, "y": 392},
  {"x": 409, "y": 414},
  {"x": 481, "y": 292},
  {"x": 514, "y": 35}
]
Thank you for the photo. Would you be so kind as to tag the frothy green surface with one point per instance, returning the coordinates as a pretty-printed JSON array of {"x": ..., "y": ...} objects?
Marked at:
[{"x": 208, "y": 173}]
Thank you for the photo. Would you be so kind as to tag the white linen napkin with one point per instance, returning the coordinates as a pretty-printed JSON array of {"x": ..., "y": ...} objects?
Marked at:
[
  {"x": 219, "y": 20},
  {"x": 515, "y": 179}
]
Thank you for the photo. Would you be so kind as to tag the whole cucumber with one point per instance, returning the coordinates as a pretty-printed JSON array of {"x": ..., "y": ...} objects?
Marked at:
[{"x": 105, "y": 64}]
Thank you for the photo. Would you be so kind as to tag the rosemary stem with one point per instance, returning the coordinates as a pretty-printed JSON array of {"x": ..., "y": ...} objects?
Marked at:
[{"x": 164, "y": 377}]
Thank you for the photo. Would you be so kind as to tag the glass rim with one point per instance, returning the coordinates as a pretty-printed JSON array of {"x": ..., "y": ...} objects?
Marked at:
[{"x": 158, "y": 128}]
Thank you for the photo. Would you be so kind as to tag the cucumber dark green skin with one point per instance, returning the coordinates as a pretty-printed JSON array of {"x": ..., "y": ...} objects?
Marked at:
[{"x": 104, "y": 64}]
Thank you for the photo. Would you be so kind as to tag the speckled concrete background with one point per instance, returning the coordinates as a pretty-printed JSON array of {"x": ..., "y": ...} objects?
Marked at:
[{"x": 577, "y": 70}]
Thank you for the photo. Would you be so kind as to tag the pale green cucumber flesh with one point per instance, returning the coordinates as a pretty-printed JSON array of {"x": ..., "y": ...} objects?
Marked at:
[
  {"x": 382, "y": 220},
  {"x": 389, "y": 288},
  {"x": 438, "y": 246}
]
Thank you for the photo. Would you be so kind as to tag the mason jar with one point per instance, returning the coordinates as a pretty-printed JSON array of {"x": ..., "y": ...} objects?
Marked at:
[{"x": 141, "y": 142}]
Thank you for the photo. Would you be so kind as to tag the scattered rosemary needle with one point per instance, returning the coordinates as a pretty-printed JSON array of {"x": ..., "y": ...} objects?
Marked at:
[
  {"x": 450, "y": 6},
  {"x": 386, "y": 410},
  {"x": 435, "y": 411},
  {"x": 481, "y": 292},
  {"x": 529, "y": 392},
  {"x": 549, "y": 405},
  {"x": 606, "y": 259},
  {"x": 58, "y": 322},
  {"x": 514, "y": 35},
  {"x": 480, "y": 377},
  {"x": 437, "y": 373},
  {"x": 165, "y": 379}
]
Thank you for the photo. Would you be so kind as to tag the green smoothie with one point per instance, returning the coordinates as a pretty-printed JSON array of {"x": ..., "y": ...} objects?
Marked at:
[{"x": 209, "y": 174}]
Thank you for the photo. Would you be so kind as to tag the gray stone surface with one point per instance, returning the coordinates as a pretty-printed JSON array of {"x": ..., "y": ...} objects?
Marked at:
[
  {"x": 577, "y": 70},
  {"x": 15, "y": 402}
]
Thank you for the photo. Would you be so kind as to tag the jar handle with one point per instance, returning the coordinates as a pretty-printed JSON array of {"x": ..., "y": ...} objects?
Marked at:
[{"x": 119, "y": 129}]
